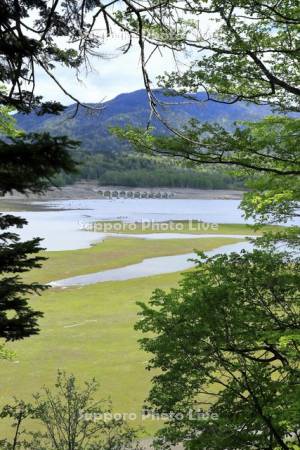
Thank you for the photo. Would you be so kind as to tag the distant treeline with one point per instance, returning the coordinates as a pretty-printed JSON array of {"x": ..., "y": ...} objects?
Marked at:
[{"x": 140, "y": 171}]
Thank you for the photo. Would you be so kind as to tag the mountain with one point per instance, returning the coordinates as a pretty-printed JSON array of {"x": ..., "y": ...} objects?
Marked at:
[{"x": 92, "y": 127}]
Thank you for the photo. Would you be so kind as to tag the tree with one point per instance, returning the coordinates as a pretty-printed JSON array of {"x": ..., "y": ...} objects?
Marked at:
[
  {"x": 265, "y": 153},
  {"x": 229, "y": 335},
  {"x": 27, "y": 163},
  {"x": 70, "y": 419},
  {"x": 17, "y": 413},
  {"x": 239, "y": 50},
  {"x": 27, "y": 44},
  {"x": 250, "y": 53},
  {"x": 227, "y": 342}
]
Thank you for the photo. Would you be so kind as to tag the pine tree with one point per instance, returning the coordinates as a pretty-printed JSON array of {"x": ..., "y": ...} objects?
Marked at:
[{"x": 27, "y": 164}]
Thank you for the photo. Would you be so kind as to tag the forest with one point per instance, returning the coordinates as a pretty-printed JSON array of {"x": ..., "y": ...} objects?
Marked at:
[
  {"x": 133, "y": 170},
  {"x": 114, "y": 327}
]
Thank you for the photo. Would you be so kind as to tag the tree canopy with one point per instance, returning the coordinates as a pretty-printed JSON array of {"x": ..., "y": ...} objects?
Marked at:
[
  {"x": 28, "y": 162},
  {"x": 239, "y": 51},
  {"x": 228, "y": 338},
  {"x": 69, "y": 418},
  {"x": 226, "y": 341}
]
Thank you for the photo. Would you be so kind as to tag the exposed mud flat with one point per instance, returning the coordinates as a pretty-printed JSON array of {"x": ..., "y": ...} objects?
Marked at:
[{"x": 89, "y": 190}]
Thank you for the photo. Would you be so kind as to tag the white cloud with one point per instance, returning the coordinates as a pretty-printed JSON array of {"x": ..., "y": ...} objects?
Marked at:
[{"x": 108, "y": 78}]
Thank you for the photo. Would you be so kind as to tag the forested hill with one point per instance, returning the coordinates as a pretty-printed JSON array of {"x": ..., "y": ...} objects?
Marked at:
[
  {"x": 92, "y": 128},
  {"x": 107, "y": 160}
]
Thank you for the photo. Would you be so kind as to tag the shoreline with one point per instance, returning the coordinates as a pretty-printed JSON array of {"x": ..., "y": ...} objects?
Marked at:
[{"x": 91, "y": 191}]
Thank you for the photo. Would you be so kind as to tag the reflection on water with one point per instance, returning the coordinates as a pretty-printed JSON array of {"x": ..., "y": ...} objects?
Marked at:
[{"x": 148, "y": 267}]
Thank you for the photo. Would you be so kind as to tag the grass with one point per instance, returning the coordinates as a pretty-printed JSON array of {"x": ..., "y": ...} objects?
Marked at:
[
  {"x": 116, "y": 252},
  {"x": 177, "y": 226},
  {"x": 89, "y": 331},
  {"x": 21, "y": 205}
]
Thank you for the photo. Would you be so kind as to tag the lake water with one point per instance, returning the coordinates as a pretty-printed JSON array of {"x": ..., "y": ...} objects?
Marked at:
[
  {"x": 61, "y": 229},
  {"x": 148, "y": 267}
]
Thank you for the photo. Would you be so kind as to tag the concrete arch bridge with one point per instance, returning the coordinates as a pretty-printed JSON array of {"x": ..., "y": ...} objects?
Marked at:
[{"x": 116, "y": 193}]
